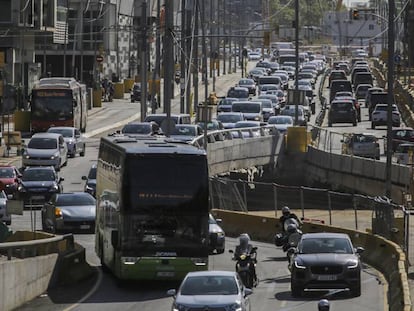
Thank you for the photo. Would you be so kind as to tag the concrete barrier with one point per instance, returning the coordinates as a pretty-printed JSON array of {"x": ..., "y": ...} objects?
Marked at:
[
  {"x": 54, "y": 260},
  {"x": 23, "y": 280},
  {"x": 384, "y": 255}
]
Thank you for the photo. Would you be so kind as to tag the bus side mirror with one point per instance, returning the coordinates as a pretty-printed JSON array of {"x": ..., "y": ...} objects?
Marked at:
[{"x": 114, "y": 238}]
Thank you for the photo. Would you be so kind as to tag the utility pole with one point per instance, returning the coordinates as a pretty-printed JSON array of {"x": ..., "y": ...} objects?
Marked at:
[
  {"x": 144, "y": 64},
  {"x": 390, "y": 95},
  {"x": 195, "y": 55},
  {"x": 189, "y": 69},
  {"x": 296, "y": 92},
  {"x": 158, "y": 49},
  {"x": 168, "y": 63},
  {"x": 182, "y": 58}
]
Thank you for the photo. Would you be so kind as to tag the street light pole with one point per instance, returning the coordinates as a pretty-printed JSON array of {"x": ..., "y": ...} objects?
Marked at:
[
  {"x": 296, "y": 92},
  {"x": 390, "y": 94}
]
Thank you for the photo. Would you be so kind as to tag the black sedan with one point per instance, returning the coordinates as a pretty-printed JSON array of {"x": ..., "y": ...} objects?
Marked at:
[
  {"x": 72, "y": 211},
  {"x": 326, "y": 261},
  {"x": 249, "y": 84},
  {"x": 38, "y": 184}
]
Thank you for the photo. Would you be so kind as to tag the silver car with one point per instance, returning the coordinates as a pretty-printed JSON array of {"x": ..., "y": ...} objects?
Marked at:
[
  {"x": 211, "y": 290},
  {"x": 73, "y": 138},
  {"x": 69, "y": 212},
  {"x": 45, "y": 149},
  {"x": 4, "y": 217}
]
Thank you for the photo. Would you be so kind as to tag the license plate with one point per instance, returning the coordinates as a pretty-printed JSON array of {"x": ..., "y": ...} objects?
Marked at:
[
  {"x": 326, "y": 277},
  {"x": 37, "y": 197},
  {"x": 165, "y": 274},
  {"x": 85, "y": 226}
]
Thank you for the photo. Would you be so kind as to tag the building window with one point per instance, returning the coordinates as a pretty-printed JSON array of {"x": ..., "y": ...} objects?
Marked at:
[{"x": 371, "y": 27}]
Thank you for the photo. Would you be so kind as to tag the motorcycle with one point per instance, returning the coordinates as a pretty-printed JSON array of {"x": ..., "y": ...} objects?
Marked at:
[
  {"x": 288, "y": 239},
  {"x": 245, "y": 267}
]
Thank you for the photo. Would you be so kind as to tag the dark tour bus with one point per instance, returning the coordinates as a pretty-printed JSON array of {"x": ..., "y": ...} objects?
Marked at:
[{"x": 152, "y": 207}]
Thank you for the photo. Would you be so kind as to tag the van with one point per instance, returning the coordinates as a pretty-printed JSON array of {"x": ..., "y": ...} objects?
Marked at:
[
  {"x": 374, "y": 99},
  {"x": 270, "y": 80},
  {"x": 363, "y": 78},
  {"x": 339, "y": 85},
  {"x": 251, "y": 110}
]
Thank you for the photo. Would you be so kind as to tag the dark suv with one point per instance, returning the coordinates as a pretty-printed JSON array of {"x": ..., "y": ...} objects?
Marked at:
[
  {"x": 136, "y": 92},
  {"x": 90, "y": 184},
  {"x": 342, "y": 111},
  {"x": 38, "y": 184}
]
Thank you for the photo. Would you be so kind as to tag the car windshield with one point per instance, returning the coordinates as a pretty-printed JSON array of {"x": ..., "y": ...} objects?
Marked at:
[
  {"x": 42, "y": 143},
  {"x": 38, "y": 175},
  {"x": 325, "y": 245},
  {"x": 187, "y": 131},
  {"x": 75, "y": 199},
  {"x": 64, "y": 132},
  {"x": 6, "y": 172},
  {"x": 364, "y": 139},
  {"x": 92, "y": 173},
  {"x": 209, "y": 285},
  {"x": 281, "y": 120},
  {"x": 136, "y": 129},
  {"x": 266, "y": 104},
  {"x": 228, "y": 118},
  {"x": 246, "y": 124}
]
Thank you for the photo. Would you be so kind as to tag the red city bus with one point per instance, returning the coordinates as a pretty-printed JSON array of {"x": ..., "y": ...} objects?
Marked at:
[{"x": 58, "y": 102}]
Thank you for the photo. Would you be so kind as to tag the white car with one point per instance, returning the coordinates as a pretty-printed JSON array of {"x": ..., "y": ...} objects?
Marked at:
[
  {"x": 362, "y": 145},
  {"x": 211, "y": 290},
  {"x": 45, "y": 149},
  {"x": 281, "y": 123},
  {"x": 73, "y": 139},
  {"x": 379, "y": 116}
]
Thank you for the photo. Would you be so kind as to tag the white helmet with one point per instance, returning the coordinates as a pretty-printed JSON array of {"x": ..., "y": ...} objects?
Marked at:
[{"x": 285, "y": 210}]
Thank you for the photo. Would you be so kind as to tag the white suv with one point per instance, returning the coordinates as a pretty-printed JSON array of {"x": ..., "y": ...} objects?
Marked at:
[{"x": 379, "y": 116}]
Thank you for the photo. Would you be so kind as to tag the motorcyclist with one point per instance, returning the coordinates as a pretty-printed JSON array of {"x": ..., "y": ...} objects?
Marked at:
[
  {"x": 245, "y": 247},
  {"x": 323, "y": 305},
  {"x": 286, "y": 214}
]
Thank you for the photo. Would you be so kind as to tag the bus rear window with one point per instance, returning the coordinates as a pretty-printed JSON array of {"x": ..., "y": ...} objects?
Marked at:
[{"x": 165, "y": 181}]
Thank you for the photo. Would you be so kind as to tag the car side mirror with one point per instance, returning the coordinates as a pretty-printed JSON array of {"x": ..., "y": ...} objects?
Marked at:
[
  {"x": 171, "y": 292},
  {"x": 84, "y": 178},
  {"x": 61, "y": 179},
  {"x": 231, "y": 251},
  {"x": 75, "y": 103},
  {"x": 247, "y": 291},
  {"x": 219, "y": 220},
  {"x": 359, "y": 250}
]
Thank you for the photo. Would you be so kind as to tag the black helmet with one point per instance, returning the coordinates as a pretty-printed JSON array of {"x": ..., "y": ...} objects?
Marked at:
[
  {"x": 323, "y": 305},
  {"x": 285, "y": 210},
  {"x": 291, "y": 228}
]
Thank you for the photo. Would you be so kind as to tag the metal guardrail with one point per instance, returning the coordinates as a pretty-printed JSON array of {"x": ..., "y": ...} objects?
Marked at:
[
  {"x": 31, "y": 248},
  {"x": 236, "y": 133}
]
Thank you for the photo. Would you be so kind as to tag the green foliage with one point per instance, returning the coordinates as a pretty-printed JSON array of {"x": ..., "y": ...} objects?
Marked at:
[{"x": 282, "y": 12}]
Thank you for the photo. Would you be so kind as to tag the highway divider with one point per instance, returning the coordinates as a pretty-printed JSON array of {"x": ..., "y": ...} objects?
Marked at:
[
  {"x": 32, "y": 262},
  {"x": 384, "y": 255}
]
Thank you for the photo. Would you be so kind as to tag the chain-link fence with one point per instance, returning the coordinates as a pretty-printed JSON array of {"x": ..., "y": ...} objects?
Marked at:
[{"x": 345, "y": 210}]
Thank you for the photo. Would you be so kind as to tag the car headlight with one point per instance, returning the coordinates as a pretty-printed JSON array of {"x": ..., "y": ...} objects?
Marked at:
[
  {"x": 179, "y": 307},
  {"x": 54, "y": 188},
  {"x": 256, "y": 118},
  {"x": 352, "y": 264},
  {"x": 58, "y": 212},
  {"x": 20, "y": 188},
  {"x": 89, "y": 188},
  {"x": 298, "y": 265},
  {"x": 234, "y": 307},
  {"x": 26, "y": 156}
]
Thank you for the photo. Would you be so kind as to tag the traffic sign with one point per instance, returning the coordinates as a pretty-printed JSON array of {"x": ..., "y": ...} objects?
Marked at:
[{"x": 99, "y": 58}]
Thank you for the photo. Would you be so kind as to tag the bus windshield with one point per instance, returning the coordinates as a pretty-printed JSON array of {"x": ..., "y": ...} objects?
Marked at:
[
  {"x": 161, "y": 208},
  {"x": 52, "y": 105}
]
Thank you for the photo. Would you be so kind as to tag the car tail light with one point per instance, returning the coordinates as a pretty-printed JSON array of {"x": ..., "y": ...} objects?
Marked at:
[{"x": 58, "y": 212}]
